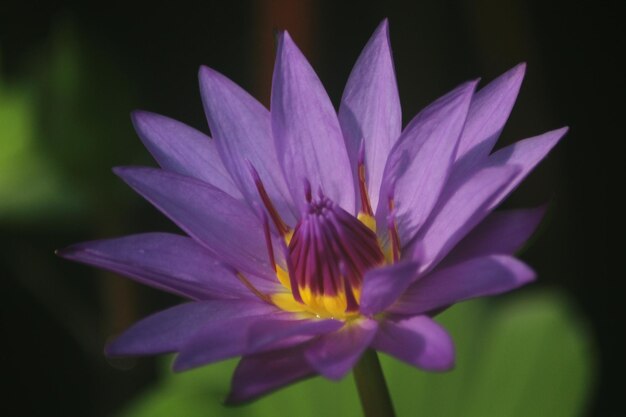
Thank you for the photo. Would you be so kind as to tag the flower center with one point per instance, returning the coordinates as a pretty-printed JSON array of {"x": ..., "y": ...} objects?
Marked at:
[{"x": 328, "y": 254}]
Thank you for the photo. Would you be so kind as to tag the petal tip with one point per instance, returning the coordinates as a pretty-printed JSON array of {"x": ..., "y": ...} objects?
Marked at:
[
  {"x": 121, "y": 171},
  {"x": 71, "y": 252},
  {"x": 115, "y": 349},
  {"x": 180, "y": 366},
  {"x": 282, "y": 37},
  {"x": 141, "y": 119},
  {"x": 383, "y": 27},
  {"x": 209, "y": 78},
  {"x": 138, "y": 115},
  {"x": 207, "y": 75},
  {"x": 563, "y": 130}
]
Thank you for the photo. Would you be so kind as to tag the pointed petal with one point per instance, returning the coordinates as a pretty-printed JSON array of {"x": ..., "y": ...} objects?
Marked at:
[
  {"x": 265, "y": 372},
  {"x": 224, "y": 225},
  {"x": 223, "y": 339},
  {"x": 460, "y": 209},
  {"x": 476, "y": 277},
  {"x": 161, "y": 260},
  {"x": 520, "y": 157},
  {"x": 335, "y": 354},
  {"x": 183, "y": 149},
  {"x": 168, "y": 330},
  {"x": 370, "y": 109},
  {"x": 525, "y": 154},
  {"x": 306, "y": 131},
  {"x": 242, "y": 131},
  {"x": 420, "y": 161},
  {"x": 488, "y": 114},
  {"x": 502, "y": 232},
  {"x": 418, "y": 341},
  {"x": 383, "y": 286}
]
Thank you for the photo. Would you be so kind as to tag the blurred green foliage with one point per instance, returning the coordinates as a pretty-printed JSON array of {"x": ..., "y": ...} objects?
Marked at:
[
  {"x": 526, "y": 355},
  {"x": 30, "y": 186},
  {"x": 62, "y": 127}
]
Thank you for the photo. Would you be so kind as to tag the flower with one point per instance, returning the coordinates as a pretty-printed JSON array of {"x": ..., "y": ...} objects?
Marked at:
[{"x": 313, "y": 236}]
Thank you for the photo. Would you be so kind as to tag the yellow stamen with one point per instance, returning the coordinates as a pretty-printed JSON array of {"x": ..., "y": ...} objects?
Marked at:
[
  {"x": 283, "y": 277},
  {"x": 368, "y": 220}
]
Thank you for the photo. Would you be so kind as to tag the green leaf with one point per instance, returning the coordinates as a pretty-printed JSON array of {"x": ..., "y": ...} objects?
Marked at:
[{"x": 526, "y": 355}]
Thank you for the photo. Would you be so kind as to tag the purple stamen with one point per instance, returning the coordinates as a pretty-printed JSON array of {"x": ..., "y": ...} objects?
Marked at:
[
  {"x": 331, "y": 250},
  {"x": 365, "y": 200},
  {"x": 393, "y": 231},
  {"x": 268, "y": 239},
  {"x": 295, "y": 290},
  {"x": 281, "y": 226}
]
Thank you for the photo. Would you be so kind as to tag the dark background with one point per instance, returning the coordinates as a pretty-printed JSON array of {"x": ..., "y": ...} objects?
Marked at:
[{"x": 57, "y": 315}]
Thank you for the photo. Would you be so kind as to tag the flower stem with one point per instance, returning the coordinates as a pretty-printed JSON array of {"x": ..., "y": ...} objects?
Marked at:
[{"x": 370, "y": 383}]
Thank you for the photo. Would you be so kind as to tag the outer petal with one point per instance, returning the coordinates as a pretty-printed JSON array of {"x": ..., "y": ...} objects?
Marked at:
[
  {"x": 488, "y": 113},
  {"x": 477, "y": 277},
  {"x": 502, "y": 232},
  {"x": 525, "y": 154},
  {"x": 383, "y": 286},
  {"x": 224, "y": 339},
  {"x": 224, "y": 225},
  {"x": 306, "y": 131},
  {"x": 265, "y": 372},
  {"x": 370, "y": 109},
  {"x": 183, "y": 149},
  {"x": 420, "y": 161},
  {"x": 169, "y": 262},
  {"x": 334, "y": 354},
  {"x": 417, "y": 340},
  {"x": 267, "y": 333},
  {"x": 168, "y": 330},
  {"x": 242, "y": 129},
  {"x": 459, "y": 211}
]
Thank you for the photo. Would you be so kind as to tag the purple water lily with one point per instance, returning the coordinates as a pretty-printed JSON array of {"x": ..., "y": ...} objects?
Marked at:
[{"x": 313, "y": 236}]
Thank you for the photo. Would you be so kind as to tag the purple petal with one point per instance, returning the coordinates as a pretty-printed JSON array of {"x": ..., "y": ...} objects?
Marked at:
[
  {"x": 525, "y": 154},
  {"x": 183, "y": 149},
  {"x": 487, "y": 115},
  {"x": 420, "y": 161},
  {"x": 370, "y": 109},
  {"x": 242, "y": 130},
  {"x": 265, "y": 372},
  {"x": 459, "y": 211},
  {"x": 223, "y": 339},
  {"x": 224, "y": 225},
  {"x": 383, "y": 286},
  {"x": 335, "y": 354},
  {"x": 417, "y": 340},
  {"x": 477, "y": 277},
  {"x": 169, "y": 262},
  {"x": 502, "y": 232},
  {"x": 306, "y": 131},
  {"x": 168, "y": 330},
  {"x": 269, "y": 332}
]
